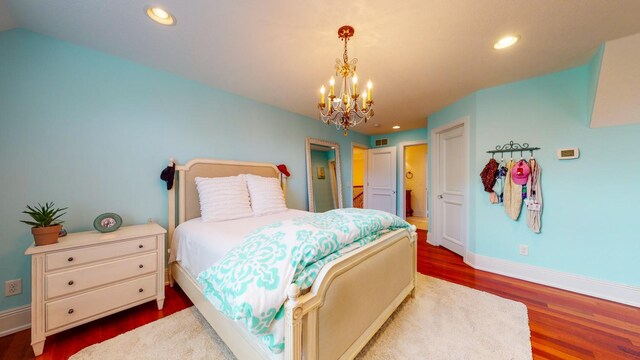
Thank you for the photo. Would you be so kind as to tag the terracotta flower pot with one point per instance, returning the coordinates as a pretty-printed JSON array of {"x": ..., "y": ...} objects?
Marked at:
[{"x": 46, "y": 235}]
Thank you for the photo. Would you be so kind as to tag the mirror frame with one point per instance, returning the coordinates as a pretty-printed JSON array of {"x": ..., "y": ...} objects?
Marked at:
[{"x": 336, "y": 146}]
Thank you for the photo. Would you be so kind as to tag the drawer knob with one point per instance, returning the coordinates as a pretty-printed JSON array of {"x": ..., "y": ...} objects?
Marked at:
[
  {"x": 141, "y": 266},
  {"x": 70, "y": 311},
  {"x": 70, "y": 259},
  {"x": 70, "y": 282},
  {"x": 140, "y": 246},
  {"x": 140, "y": 290}
]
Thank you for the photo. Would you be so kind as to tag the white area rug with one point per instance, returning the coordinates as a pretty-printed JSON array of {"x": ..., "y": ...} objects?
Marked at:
[{"x": 445, "y": 321}]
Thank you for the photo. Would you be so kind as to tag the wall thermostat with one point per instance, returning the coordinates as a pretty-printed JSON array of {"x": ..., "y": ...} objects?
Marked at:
[{"x": 570, "y": 153}]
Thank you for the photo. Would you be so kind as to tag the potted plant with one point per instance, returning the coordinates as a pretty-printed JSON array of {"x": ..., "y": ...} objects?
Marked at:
[{"x": 45, "y": 224}]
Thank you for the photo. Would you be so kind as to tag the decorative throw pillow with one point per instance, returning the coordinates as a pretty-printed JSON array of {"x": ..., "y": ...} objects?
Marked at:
[
  {"x": 223, "y": 198},
  {"x": 266, "y": 195}
]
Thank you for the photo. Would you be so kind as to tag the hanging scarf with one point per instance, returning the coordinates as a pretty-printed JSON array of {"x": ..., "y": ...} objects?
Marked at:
[
  {"x": 498, "y": 188},
  {"x": 488, "y": 175},
  {"x": 534, "y": 198},
  {"x": 512, "y": 194}
]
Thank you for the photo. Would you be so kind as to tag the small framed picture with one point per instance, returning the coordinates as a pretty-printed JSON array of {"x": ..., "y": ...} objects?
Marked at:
[
  {"x": 320, "y": 172},
  {"x": 107, "y": 222}
]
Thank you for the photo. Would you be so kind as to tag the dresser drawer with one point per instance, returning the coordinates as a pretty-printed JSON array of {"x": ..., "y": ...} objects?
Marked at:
[
  {"x": 79, "y": 307},
  {"x": 68, "y": 258},
  {"x": 86, "y": 277}
]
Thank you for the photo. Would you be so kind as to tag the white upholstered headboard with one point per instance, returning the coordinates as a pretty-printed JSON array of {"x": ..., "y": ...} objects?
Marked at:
[{"x": 183, "y": 197}]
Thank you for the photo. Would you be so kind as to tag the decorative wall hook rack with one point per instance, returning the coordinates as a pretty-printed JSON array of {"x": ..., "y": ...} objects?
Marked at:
[{"x": 512, "y": 147}]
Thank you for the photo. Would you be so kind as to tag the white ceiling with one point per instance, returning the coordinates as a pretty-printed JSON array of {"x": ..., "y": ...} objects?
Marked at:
[
  {"x": 618, "y": 91},
  {"x": 422, "y": 55}
]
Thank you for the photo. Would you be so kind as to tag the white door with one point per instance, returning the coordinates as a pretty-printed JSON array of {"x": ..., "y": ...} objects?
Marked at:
[
  {"x": 450, "y": 177},
  {"x": 381, "y": 179}
]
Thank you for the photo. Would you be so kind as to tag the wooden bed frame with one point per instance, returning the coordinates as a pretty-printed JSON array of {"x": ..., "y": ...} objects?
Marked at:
[{"x": 347, "y": 304}]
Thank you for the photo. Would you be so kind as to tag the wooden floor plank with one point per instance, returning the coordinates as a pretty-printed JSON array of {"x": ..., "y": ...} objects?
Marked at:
[{"x": 564, "y": 325}]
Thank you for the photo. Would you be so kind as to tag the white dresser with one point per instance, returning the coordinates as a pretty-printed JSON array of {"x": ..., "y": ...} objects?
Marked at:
[{"x": 89, "y": 275}]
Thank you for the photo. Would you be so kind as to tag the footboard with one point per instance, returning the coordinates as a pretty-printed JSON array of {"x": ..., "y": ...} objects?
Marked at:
[{"x": 351, "y": 299}]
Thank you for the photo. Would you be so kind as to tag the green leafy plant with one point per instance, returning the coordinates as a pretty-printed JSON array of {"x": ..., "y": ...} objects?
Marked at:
[{"x": 44, "y": 216}]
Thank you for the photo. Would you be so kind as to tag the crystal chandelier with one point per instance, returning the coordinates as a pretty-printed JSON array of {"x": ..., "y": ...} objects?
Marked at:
[{"x": 343, "y": 110}]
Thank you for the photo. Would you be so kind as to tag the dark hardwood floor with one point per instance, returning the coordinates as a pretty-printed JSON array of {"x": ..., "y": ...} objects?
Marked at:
[{"x": 564, "y": 325}]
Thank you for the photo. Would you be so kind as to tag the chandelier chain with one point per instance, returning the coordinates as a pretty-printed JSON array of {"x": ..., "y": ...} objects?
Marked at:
[{"x": 345, "y": 56}]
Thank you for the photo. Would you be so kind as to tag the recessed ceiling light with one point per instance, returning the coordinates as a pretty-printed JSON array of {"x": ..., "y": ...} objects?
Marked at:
[
  {"x": 376, "y": 125},
  {"x": 506, "y": 41},
  {"x": 396, "y": 127},
  {"x": 160, "y": 16}
]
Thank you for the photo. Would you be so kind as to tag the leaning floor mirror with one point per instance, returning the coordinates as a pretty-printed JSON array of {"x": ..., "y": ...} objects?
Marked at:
[{"x": 323, "y": 175}]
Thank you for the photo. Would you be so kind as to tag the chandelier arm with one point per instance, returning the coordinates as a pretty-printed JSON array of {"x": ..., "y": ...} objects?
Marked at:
[
  {"x": 359, "y": 114},
  {"x": 331, "y": 117},
  {"x": 357, "y": 118}
]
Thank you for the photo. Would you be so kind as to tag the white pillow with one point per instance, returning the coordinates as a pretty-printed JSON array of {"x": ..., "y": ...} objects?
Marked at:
[
  {"x": 223, "y": 198},
  {"x": 266, "y": 195}
]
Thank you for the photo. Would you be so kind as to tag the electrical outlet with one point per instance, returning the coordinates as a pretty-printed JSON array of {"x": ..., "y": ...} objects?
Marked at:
[
  {"x": 13, "y": 287},
  {"x": 524, "y": 250}
]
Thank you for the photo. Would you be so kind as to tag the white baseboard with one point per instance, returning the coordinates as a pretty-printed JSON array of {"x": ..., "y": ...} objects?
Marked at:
[
  {"x": 14, "y": 320},
  {"x": 621, "y": 293}
]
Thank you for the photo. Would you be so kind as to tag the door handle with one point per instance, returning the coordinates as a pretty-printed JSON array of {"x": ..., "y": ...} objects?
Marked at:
[
  {"x": 439, "y": 196},
  {"x": 394, "y": 192}
]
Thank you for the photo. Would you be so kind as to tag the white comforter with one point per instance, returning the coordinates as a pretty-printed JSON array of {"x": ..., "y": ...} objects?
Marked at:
[{"x": 198, "y": 244}]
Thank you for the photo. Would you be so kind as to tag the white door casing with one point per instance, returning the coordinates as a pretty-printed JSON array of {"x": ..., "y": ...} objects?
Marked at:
[
  {"x": 334, "y": 184},
  {"x": 450, "y": 184},
  {"x": 381, "y": 179}
]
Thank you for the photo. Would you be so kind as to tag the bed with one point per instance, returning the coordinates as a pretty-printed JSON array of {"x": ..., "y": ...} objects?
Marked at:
[{"x": 349, "y": 301}]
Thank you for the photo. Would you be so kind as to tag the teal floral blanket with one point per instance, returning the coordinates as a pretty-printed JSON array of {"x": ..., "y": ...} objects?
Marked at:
[{"x": 249, "y": 284}]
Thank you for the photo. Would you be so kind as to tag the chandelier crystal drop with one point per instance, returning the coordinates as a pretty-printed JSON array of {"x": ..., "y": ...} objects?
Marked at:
[{"x": 347, "y": 109}]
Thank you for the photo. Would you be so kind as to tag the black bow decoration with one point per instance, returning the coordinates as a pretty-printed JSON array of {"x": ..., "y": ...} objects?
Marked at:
[{"x": 168, "y": 175}]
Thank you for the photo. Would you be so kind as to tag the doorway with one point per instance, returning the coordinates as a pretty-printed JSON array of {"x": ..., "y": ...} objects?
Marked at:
[
  {"x": 449, "y": 193},
  {"x": 358, "y": 175},
  {"x": 381, "y": 179},
  {"x": 414, "y": 178}
]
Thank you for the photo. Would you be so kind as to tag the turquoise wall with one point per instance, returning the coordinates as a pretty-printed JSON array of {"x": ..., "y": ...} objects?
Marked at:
[
  {"x": 589, "y": 203},
  {"x": 396, "y": 139},
  {"x": 92, "y": 132}
]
